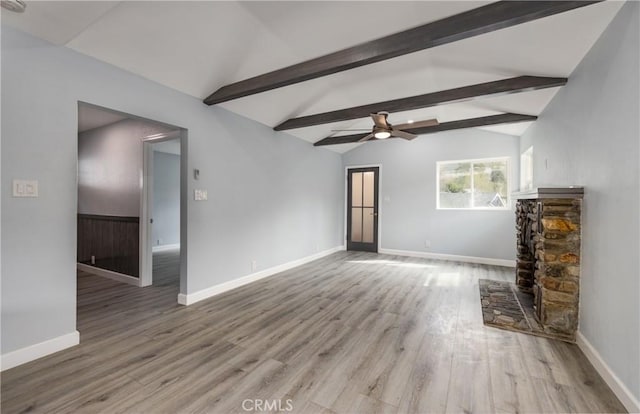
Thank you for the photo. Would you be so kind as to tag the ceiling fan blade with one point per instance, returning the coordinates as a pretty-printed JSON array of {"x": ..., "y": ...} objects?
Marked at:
[
  {"x": 356, "y": 129},
  {"x": 402, "y": 134},
  {"x": 380, "y": 120},
  {"x": 419, "y": 124},
  {"x": 366, "y": 138}
]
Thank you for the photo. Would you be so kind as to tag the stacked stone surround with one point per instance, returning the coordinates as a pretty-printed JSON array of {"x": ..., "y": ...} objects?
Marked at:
[
  {"x": 526, "y": 223},
  {"x": 548, "y": 261}
]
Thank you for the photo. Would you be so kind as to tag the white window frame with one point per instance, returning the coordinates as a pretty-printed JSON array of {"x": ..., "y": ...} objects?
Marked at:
[
  {"x": 526, "y": 169},
  {"x": 507, "y": 161}
]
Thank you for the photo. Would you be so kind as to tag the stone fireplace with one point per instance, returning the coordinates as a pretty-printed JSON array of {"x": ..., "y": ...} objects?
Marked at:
[{"x": 548, "y": 257}]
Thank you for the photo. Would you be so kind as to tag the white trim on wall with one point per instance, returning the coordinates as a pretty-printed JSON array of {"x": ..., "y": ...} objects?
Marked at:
[
  {"x": 109, "y": 274},
  {"x": 165, "y": 247},
  {"x": 192, "y": 298},
  {"x": 450, "y": 257},
  {"x": 623, "y": 393},
  {"x": 39, "y": 350},
  {"x": 146, "y": 213},
  {"x": 146, "y": 206}
]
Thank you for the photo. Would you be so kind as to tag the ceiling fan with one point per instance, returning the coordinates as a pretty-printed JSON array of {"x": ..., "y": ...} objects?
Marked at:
[{"x": 382, "y": 129}]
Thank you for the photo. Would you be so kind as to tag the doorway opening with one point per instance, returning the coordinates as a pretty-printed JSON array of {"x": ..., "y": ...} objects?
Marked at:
[
  {"x": 162, "y": 167},
  {"x": 362, "y": 209},
  {"x": 116, "y": 198}
]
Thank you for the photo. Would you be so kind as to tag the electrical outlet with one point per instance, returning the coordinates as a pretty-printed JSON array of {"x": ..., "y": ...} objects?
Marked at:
[
  {"x": 427, "y": 244},
  {"x": 254, "y": 265},
  {"x": 93, "y": 260}
]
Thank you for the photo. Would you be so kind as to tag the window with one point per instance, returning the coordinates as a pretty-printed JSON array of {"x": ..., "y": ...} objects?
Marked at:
[
  {"x": 526, "y": 169},
  {"x": 473, "y": 184}
]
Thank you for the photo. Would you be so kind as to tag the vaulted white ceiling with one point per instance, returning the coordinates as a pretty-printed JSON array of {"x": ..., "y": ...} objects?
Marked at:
[{"x": 197, "y": 47}]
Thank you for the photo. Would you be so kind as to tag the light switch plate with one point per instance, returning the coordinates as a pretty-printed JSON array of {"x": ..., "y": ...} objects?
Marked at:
[
  {"x": 25, "y": 188},
  {"x": 200, "y": 195}
]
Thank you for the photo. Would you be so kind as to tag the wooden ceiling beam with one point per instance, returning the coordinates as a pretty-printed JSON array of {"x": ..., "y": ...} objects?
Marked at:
[
  {"x": 445, "y": 126},
  {"x": 485, "y": 19},
  {"x": 463, "y": 94}
]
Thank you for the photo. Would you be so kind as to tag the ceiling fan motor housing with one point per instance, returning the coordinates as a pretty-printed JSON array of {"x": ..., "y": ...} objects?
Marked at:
[{"x": 17, "y": 6}]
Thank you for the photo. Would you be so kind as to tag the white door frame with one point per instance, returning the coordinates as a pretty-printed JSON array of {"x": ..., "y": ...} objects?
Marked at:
[
  {"x": 346, "y": 195},
  {"x": 146, "y": 205}
]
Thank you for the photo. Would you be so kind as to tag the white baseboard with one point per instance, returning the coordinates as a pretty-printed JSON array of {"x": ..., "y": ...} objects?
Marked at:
[
  {"x": 192, "y": 298},
  {"x": 39, "y": 350},
  {"x": 450, "y": 257},
  {"x": 109, "y": 274},
  {"x": 621, "y": 391},
  {"x": 165, "y": 247}
]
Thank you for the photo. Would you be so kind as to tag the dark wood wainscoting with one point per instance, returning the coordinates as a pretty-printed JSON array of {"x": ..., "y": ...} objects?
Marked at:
[{"x": 112, "y": 240}]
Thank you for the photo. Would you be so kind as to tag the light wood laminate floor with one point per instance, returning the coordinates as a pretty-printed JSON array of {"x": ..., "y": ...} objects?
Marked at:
[{"x": 349, "y": 333}]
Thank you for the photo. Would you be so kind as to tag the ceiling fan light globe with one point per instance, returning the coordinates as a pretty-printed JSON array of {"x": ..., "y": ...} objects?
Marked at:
[{"x": 382, "y": 134}]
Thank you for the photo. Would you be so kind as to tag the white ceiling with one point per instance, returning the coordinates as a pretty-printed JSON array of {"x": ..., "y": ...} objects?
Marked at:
[
  {"x": 90, "y": 117},
  {"x": 197, "y": 47}
]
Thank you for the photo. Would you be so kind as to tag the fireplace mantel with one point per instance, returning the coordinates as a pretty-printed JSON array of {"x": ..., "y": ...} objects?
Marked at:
[{"x": 550, "y": 192}]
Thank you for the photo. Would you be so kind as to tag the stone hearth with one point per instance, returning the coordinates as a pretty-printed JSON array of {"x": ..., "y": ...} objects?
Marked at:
[{"x": 548, "y": 256}]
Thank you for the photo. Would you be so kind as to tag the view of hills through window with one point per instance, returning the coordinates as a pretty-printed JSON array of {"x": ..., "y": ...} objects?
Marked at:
[{"x": 473, "y": 184}]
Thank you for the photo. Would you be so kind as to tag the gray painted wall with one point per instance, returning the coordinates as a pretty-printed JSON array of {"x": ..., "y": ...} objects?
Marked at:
[
  {"x": 268, "y": 191},
  {"x": 110, "y": 168},
  {"x": 408, "y": 182},
  {"x": 589, "y": 135},
  {"x": 166, "y": 199}
]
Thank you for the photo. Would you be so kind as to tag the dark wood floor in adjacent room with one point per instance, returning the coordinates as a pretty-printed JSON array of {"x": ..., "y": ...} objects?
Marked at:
[{"x": 349, "y": 333}]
